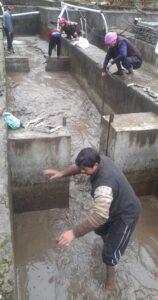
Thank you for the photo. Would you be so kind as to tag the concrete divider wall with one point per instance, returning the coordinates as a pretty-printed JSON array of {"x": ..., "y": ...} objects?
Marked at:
[
  {"x": 29, "y": 154},
  {"x": 17, "y": 64},
  {"x": 7, "y": 278},
  {"x": 55, "y": 64},
  {"x": 132, "y": 142}
]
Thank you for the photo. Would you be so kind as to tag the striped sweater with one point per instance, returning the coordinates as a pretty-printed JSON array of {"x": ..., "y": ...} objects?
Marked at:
[{"x": 113, "y": 198}]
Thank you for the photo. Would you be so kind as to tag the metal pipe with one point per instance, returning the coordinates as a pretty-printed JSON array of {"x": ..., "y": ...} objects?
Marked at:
[
  {"x": 81, "y": 25},
  {"x": 85, "y": 25},
  {"x": 1, "y": 4},
  {"x": 81, "y": 7},
  {"x": 105, "y": 23},
  {"x": 88, "y": 9},
  {"x": 26, "y": 13},
  {"x": 62, "y": 11}
]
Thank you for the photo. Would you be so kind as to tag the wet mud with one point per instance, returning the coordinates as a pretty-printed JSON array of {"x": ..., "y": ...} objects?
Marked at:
[{"x": 45, "y": 271}]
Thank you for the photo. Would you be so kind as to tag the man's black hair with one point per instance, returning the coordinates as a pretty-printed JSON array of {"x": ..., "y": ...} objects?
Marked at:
[{"x": 87, "y": 157}]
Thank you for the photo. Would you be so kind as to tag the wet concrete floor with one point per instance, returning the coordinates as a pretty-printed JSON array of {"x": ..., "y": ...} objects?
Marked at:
[{"x": 45, "y": 271}]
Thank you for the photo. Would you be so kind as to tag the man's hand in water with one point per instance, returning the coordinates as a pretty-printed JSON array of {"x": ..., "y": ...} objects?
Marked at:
[
  {"x": 53, "y": 173},
  {"x": 65, "y": 238}
]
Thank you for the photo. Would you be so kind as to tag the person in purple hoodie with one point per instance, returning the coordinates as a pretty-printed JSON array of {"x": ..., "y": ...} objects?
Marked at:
[{"x": 121, "y": 52}]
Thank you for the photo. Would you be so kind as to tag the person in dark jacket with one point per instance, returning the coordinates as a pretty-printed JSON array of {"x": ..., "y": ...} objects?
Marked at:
[
  {"x": 70, "y": 28},
  {"x": 54, "y": 37},
  {"x": 121, "y": 51},
  {"x": 116, "y": 207},
  {"x": 8, "y": 27}
]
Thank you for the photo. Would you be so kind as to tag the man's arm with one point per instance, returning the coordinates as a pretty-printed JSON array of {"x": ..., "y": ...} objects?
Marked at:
[
  {"x": 122, "y": 47},
  {"x": 103, "y": 198},
  {"x": 106, "y": 60},
  {"x": 56, "y": 174}
]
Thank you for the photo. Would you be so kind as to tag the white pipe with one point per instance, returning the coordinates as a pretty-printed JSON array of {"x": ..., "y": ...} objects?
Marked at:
[
  {"x": 81, "y": 25},
  {"x": 1, "y": 4},
  {"x": 27, "y": 13},
  {"x": 88, "y": 9},
  {"x": 85, "y": 25},
  {"x": 105, "y": 23},
  {"x": 62, "y": 11},
  {"x": 81, "y": 7}
]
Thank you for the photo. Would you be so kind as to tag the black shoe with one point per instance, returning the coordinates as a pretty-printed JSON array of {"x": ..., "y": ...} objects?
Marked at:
[{"x": 130, "y": 71}]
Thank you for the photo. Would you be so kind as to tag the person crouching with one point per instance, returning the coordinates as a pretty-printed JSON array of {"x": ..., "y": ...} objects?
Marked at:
[
  {"x": 71, "y": 29},
  {"x": 121, "y": 52}
]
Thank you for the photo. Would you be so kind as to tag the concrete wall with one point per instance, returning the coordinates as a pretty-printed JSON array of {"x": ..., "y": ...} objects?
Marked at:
[
  {"x": 132, "y": 142},
  {"x": 29, "y": 154},
  {"x": 55, "y": 64},
  {"x": 17, "y": 64},
  {"x": 7, "y": 279},
  {"x": 148, "y": 53},
  {"x": 28, "y": 24}
]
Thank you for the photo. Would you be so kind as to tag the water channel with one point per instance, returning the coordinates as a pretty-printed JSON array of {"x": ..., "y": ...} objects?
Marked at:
[{"x": 45, "y": 271}]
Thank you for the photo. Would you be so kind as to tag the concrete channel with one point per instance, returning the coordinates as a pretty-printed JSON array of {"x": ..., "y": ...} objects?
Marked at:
[{"x": 65, "y": 105}]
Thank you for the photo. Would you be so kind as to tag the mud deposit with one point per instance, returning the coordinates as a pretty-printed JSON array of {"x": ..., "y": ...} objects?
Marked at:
[{"x": 44, "y": 271}]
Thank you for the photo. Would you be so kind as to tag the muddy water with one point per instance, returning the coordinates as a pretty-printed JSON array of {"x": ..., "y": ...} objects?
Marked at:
[{"x": 44, "y": 271}]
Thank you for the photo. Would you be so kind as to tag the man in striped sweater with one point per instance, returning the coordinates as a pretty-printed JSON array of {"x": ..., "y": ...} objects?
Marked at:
[{"x": 116, "y": 207}]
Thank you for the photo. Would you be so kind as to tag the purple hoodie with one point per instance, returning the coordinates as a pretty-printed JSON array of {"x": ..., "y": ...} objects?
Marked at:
[{"x": 124, "y": 48}]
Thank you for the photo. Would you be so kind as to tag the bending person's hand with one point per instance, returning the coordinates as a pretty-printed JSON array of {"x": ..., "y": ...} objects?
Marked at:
[
  {"x": 53, "y": 173},
  {"x": 109, "y": 65},
  {"x": 103, "y": 74},
  {"x": 65, "y": 238}
]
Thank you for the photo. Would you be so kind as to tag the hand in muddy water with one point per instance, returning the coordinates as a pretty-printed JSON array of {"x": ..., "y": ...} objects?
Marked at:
[
  {"x": 53, "y": 173},
  {"x": 65, "y": 238}
]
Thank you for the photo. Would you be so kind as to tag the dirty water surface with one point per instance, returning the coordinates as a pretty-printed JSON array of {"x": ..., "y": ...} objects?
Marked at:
[{"x": 45, "y": 271}]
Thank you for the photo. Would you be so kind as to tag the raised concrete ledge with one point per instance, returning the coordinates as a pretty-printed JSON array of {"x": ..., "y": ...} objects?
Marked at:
[
  {"x": 29, "y": 154},
  {"x": 86, "y": 66},
  {"x": 131, "y": 141},
  {"x": 7, "y": 278},
  {"x": 17, "y": 64},
  {"x": 55, "y": 64}
]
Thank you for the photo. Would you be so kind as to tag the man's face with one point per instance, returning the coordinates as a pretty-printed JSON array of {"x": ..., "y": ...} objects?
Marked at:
[{"x": 89, "y": 170}]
